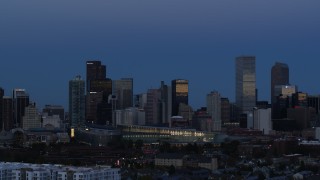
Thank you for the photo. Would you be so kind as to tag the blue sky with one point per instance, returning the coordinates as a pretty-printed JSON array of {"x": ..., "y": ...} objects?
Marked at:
[{"x": 44, "y": 44}]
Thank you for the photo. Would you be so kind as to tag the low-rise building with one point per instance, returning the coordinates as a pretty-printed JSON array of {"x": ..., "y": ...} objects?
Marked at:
[{"x": 52, "y": 172}]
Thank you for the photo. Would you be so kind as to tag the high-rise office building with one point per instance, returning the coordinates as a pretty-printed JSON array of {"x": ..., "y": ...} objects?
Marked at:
[
  {"x": 95, "y": 71},
  {"x": 279, "y": 76},
  {"x": 283, "y": 101},
  {"x": 214, "y": 109},
  {"x": 20, "y": 102},
  {"x": 246, "y": 83},
  {"x": 225, "y": 111},
  {"x": 152, "y": 107},
  {"x": 165, "y": 103},
  {"x": 77, "y": 102},
  {"x": 99, "y": 89},
  {"x": 180, "y": 94},
  {"x": 123, "y": 89},
  {"x": 7, "y": 113},
  {"x": 1, "y": 107},
  {"x": 314, "y": 102}
]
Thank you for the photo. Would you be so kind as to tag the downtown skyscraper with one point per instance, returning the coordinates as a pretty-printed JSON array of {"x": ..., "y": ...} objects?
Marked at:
[
  {"x": 123, "y": 89},
  {"x": 245, "y": 83},
  {"x": 1, "y": 108},
  {"x": 180, "y": 94},
  {"x": 77, "y": 102},
  {"x": 20, "y": 102},
  {"x": 279, "y": 76},
  {"x": 99, "y": 91}
]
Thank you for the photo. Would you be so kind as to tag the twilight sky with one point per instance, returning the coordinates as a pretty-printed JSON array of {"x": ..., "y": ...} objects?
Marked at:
[{"x": 44, "y": 43}]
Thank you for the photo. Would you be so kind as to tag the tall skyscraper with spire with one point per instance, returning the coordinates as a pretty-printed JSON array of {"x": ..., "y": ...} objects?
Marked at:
[
  {"x": 279, "y": 76},
  {"x": 246, "y": 83},
  {"x": 77, "y": 102}
]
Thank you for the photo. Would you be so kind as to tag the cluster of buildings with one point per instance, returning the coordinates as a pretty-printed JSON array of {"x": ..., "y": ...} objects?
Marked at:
[
  {"x": 28, "y": 171},
  {"x": 101, "y": 101}
]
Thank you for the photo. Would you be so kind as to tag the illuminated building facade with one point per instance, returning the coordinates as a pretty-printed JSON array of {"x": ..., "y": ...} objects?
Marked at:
[
  {"x": 153, "y": 134},
  {"x": 246, "y": 83},
  {"x": 180, "y": 94}
]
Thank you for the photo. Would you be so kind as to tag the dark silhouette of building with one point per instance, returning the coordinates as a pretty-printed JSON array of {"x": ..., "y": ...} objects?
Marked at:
[
  {"x": 77, "y": 102},
  {"x": 1, "y": 107},
  {"x": 7, "y": 113},
  {"x": 20, "y": 102},
  {"x": 225, "y": 110},
  {"x": 314, "y": 102},
  {"x": 152, "y": 107},
  {"x": 123, "y": 89},
  {"x": 300, "y": 99},
  {"x": 95, "y": 71},
  {"x": 263, "y": 105},
  {"x": 234, "y": 113},
  {"x": 165, "y": 103},
  {"x": 180, "y": 94},
  {"x": 99, "y": 89},
  {"x": 279, "y": 76},
  {"x": 246, "y": 83}
]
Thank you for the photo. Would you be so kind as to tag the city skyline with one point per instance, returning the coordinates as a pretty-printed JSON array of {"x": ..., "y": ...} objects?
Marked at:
[{"x": 49, "y": 43}]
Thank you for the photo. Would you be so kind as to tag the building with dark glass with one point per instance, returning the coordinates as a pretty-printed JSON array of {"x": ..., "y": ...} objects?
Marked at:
[
  {"x": 180, "y": 94},
  {"x": 314, "y": 102},
  {"x": 7, "y": 113},
  {"x": 20, "y": 102},
  {"x": 225, "y": 110},
  {"x": 279, "y": 76},
  {"x": 77, "y": 102},
  {"x": 1, "y": 107},
  {"x": 123, "y": 89},
  {"x": 99, "y": 90},
  {"x": 95, "y": 71},
  {"x": 245, "y": 83}
]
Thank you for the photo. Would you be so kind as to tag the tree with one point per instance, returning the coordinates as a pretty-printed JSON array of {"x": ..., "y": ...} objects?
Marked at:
[
  {"x": 139, "y": 144},
  {"x": 171, "y": 170}
]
